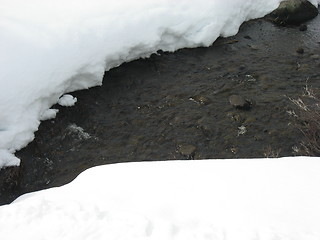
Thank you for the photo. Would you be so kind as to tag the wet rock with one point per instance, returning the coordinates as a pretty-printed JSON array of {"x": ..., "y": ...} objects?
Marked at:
[
  {"x": 303, "y": 27},
  {"x": 200, "y": 100},
  {"x": 235, "y": 116},
  {"x": 300, "y": 50},
  {"x": 187, "y": 150},
  {"x": 293, "y": 12},
  {"x": 250, "y": 78},
  {"x": 240, "y": 102}
]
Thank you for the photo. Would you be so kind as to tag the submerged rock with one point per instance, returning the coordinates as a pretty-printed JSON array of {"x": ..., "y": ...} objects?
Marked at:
[
  {"x": 187, "y": 150},
  {"x": 293, "y": 12},
  {"x": 240, "y": 102},
  {"x": 202, "y": 100}
]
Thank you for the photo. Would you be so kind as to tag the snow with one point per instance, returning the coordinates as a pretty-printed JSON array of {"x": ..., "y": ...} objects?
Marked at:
[
  {"x": 67, "y": 100},
  {"x": 261, "y": 199},
  {"x": 315, "y": 2},
  {"x": 52, "y": 47},
  {"x": 8, "y": 159},
  {"x": 49, "y": 114}
]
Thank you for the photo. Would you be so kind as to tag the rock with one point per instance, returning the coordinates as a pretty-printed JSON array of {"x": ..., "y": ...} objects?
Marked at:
[
  {"x": 253, "y": 47},
  {"x": 303, "y": 27},
  {"x": 242, "y": 67},
  {"x": 187, "y": 150},
  {"x": 300, "y": 50},
  {"x": 200, "y": 100},
  {"x": 240, "y": 102},
  {"x": 293, "y": 12},
  {"x": 235, "y": 116}
]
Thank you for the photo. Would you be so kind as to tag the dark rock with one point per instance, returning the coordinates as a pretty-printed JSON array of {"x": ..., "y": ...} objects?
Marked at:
[
  {"x": 300, "y": 50},
  {"x": 247, "y": 37},
  {"x": 240, "y": 102},
  {"x": 293, "y": 12},
  {"x": 303, "y": 27}
]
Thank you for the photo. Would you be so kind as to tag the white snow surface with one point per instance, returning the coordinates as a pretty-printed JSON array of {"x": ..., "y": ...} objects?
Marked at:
[
  {"x": 238, "y": 199},
  {"x": 51, "y": 47}
]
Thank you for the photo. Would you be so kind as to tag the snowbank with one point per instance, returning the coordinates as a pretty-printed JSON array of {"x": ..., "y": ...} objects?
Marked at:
[{"x": 211, "y": 199}]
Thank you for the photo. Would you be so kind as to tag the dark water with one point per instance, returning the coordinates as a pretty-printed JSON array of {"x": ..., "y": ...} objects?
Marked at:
[{"x": 175, "y": 106}]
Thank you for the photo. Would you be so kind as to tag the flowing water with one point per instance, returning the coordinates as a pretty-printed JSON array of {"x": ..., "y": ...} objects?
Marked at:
[{"x": 176, "y": 106}]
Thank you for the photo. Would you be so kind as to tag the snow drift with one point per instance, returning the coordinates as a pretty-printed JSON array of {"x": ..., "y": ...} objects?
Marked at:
[{"x": 220, "y": 200}]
